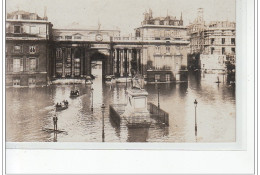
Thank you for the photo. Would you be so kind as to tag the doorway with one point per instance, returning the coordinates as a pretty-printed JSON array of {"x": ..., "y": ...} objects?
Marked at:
[{"x": 97, "y": 69}]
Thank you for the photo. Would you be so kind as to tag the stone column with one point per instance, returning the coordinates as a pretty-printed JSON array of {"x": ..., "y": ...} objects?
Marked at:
[
  {"x": 115, "y": 62},
  {"x": 72, "y": 61},
  {"x": 137, "y": 60},
  {"x": 111, "y": 60},
  {"x": 125, "y": 62},
  {"x": 87, "y": 63},
  {"x": 63, "y": 62},
  {"x": 81, "y": 62},
  {"x": 121, "y": 63},
  {"x": 130, "y": 59},
  {"x": 118, "y": 63},
  {"x": 54, "y": 62},
  {"x": 141, "y": 61}
]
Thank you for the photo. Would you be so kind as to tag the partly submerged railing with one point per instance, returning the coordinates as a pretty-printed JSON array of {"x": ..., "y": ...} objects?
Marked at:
[{"x": 158, "y": 114}]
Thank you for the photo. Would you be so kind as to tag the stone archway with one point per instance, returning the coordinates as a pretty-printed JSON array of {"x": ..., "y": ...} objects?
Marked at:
[{"x": 99, "y": 56}]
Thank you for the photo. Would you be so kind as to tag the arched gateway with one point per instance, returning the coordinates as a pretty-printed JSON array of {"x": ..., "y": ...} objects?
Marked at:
[{"x": 73, "y": 59}]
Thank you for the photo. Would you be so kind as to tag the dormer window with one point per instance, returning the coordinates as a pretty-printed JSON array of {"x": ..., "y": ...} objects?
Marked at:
[{"x": 17, "y": 29}]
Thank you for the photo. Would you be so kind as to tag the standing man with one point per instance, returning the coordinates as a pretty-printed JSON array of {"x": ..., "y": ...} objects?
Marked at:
[{"x": 55, "y": 121}]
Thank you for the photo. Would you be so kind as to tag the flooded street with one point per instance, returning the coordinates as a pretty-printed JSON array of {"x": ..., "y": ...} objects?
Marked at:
[{"x": 30, "y": 110}]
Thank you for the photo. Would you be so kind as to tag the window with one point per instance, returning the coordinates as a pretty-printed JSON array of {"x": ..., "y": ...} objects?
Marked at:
[
  {"x": 16, "y": 81},
  {"x": 233, "y": 50},
  {"x": 17, "y": 29},
  {"x": 168, "y": 77},
  {"x": 59, "y": 53},
  {"x": 157, "y": 49},
  {"x": 17, "y": 49},
  {"x": 157, "y": 38},
  {"x": 168, "y": 49},
  {"x": 68, "y": 37},
  {"x": 32, "y": 81},
  {"x": 9, "y": 65},
  {"x": 233, "y": 41},
  {"x": 212, "y": 50},
  {"x": 157, "y": 77},
  {"x": 223, "y": 50},
  {"x": 58, "y": 37},
  {"x": 16, "y": 64},
  {"x": 223, "y": 40},
  {"x": 167, "y": 33},
  {"x": 32, "y": 64},
  {"x": 32, "y": 49},
  {"x": 212, "y": 40}
]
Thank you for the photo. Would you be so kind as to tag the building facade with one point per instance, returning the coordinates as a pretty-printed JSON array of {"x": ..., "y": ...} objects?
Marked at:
[
  {"x": 165, "y": 48},
  {"x": 215, "y": 40},
  {"x": 36, "y": 53},
  {"x": 27, "y": 49}
]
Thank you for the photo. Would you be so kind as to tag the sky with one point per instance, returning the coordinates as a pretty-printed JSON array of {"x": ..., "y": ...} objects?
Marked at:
[{"x": 124, "y": 14}]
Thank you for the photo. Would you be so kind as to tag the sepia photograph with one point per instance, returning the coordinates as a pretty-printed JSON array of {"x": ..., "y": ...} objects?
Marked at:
[{"x": 143, "y": 71}]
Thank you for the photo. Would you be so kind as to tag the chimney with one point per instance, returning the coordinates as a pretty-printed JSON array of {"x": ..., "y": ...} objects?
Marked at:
[{"x": 45, "y": 14}]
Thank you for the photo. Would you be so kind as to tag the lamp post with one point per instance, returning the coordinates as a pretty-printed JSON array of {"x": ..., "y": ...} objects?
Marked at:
[
  {"x": 195, "y": 105},
  {"x": 158, "y": 98},
  {"x": 92, "y": 90},
  {"x": 126, "y": 81},
  {"x": 103, "y": 131}
]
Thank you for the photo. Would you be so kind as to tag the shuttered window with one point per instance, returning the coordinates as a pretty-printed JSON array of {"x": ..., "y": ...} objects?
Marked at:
[
  {"x": 16, "y": 64},
  {"x": 32, "y": 64}
]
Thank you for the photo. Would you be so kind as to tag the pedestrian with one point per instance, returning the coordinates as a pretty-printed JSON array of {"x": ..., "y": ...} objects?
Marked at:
[{"x": 55, "y": 122}]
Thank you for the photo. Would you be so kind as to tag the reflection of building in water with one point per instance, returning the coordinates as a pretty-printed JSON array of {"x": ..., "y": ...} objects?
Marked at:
[{"x": 137, "y": 134}]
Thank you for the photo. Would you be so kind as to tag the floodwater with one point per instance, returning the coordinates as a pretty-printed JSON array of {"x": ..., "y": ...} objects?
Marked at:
[{"x": 29, "y": 112}]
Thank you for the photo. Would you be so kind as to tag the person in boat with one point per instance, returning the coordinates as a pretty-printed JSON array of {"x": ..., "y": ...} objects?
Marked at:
[
  {"x": 66, "y": 102},
  {"x": 57, "y": 105}
]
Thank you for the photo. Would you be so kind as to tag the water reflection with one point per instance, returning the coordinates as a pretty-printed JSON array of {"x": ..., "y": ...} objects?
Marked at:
[
  {"x": 28, "y": 110},
  {"x": 137, "y": 134}
]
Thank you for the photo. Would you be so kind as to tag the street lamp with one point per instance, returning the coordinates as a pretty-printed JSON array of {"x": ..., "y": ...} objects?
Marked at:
[
  {"x": 92, "y": 90},
  {"x": 103, "y": 131},
  {"x": 158, "y": 98},
  {"x": 126, "y": 81},
  {"x": 195, "y": 105}
]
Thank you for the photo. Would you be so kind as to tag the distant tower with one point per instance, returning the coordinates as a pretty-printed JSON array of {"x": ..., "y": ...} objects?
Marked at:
[
  {"x": 45, "y": 14},
  {"x": 181, "y": 21},
  {"x": 200, "y": 15},
  {"x": 150, "y": 14}
]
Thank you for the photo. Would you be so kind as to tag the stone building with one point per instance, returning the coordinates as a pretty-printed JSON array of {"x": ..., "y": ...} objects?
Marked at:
[
  {"x": 37, "y": 53},
  {"x": 27, "y": 51},
  {"x": 164, "y": 48},
  {"x": 215, "y": 40},
  {"x": 74, "y": 49}
]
